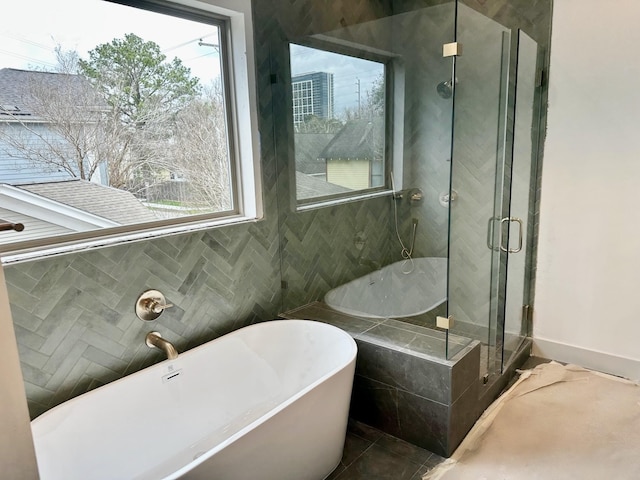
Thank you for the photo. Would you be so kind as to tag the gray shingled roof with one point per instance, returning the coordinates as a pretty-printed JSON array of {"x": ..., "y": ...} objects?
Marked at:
[
  {"x": 17, "y": 89},
  {"x": 107, "y": 202},
  {"x": 312, "y": 187},
  {"x": 308, "y": 148},
  {"x": 354, "y": 140}
]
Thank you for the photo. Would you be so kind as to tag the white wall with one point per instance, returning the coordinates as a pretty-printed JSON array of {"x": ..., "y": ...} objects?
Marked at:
[
  {"x": 587, "y": 307},
  {"x": 17, "y": 457}
]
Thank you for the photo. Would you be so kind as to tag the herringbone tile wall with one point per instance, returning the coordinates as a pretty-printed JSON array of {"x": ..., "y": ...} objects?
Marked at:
[
  {"x": 428, "y": 121},
  {"x": 318, "y": 246},
  {"x": 74, "y": 318}
]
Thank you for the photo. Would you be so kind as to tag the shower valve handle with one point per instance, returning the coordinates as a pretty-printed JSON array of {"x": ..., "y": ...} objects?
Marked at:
[{"x": 150, "y": 305}]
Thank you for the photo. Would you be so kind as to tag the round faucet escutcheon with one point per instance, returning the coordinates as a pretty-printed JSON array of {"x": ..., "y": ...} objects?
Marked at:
[{"x": 150, "y": 305}]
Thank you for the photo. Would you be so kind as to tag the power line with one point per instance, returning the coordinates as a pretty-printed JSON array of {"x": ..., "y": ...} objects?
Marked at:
[
  {"x": 188, "y": 42},
  {"x": 27, "y": 40},
  {"x": 24, "y": 57}
]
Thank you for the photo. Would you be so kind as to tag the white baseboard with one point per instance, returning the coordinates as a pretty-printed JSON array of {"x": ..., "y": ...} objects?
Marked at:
[{"x": 591, "y": 359}]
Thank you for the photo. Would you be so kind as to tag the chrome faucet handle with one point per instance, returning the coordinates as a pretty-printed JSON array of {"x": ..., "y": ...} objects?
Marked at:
[{"x": 150, "y": 304}]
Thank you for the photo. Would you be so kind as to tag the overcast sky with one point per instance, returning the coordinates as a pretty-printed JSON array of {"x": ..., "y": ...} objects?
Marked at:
[
  {"x": 347, "y": 71},
  {"x": 30, "y": 30}
]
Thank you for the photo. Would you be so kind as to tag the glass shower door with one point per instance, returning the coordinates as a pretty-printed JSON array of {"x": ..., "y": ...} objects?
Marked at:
[
  {"x": 522, "y": 195},
  {"x": 477, "y": 264},
  {"x": 493, "y": 181}
]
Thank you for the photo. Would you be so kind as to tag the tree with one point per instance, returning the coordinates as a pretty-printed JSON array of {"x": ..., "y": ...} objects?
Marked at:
[
  {"x": 136, "y": 80},
  {"x": 200, "y": 151},
  {"x": 67, "y": 60},
  {"x": 145, "y": 92},
  {"x": 315, "y": 124},
  {"x": 375, "y": 98},
  {"x": 161, "y": 134}
]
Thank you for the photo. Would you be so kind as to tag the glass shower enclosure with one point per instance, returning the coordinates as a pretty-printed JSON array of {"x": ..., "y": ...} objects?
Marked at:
[{"x": 407, "y": 185}]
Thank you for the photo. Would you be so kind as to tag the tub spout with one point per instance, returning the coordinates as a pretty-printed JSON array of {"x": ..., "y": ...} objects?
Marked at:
[{"x": 155, "y": 340}]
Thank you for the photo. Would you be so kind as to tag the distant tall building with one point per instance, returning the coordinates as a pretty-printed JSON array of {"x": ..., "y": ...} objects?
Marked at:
[{"x": 312, "y": 95}]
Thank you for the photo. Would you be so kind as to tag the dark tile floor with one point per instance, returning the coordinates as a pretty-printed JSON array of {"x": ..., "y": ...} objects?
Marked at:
[
  {"x": 373, "y": 455},
  {"x": 370, "y": 454}
]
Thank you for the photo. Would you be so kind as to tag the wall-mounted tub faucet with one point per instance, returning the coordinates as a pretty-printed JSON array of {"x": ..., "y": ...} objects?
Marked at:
[{"x": 155, "y": 340}]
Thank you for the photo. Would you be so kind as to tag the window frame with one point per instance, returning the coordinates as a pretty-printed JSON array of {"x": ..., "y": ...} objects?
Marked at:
[
  {"x": 234, "y": 18},
  {"x": 393, "y": 71}
]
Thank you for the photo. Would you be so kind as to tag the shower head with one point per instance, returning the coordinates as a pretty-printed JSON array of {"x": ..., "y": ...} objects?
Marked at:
[{"x": 445, "y": 89}]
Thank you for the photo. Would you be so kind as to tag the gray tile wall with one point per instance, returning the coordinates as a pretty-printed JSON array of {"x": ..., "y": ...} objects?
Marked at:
[
  {"x": 74, "y": 317},
  {"x": 318, "y": 246},
  {"x": 428, "y": 122},
  {"x": 414, "y": 30}
]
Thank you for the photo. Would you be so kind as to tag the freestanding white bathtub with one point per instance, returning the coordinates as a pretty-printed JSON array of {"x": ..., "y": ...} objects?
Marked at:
[
  {"x": 269, "y": 402},
  {"x": 402, "y": 289}
]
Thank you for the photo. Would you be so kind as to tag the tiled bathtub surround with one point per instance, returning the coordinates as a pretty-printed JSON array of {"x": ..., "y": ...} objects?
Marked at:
[
  {"x": 74, "y": 315},
  {"x": 403, "y": 384}
]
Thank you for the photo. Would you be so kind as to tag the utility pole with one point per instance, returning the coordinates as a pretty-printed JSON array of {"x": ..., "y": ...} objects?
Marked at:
[{"x": 359, "y": 101}]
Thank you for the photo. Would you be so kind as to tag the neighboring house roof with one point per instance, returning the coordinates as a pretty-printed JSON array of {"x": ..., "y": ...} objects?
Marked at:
[
  {"x": 354, "y": 141},
  {"x": 116, "y": 205},
  {"x": 308, "y": 147},
  {"x": 43, "y": 217},
  {"x": 311, "y": 187},
  {"x": 19, "y": 92},
  {"x": 35, "y": 227}
]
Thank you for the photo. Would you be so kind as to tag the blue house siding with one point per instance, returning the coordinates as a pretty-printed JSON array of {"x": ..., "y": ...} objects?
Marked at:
[{"x": 17, "y": 169}]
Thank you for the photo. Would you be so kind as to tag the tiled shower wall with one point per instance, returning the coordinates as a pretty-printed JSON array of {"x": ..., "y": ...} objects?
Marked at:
[
  {"x": 318, "y": 246},
  {"x": 413, "y": 31},
  {"x": 428, "y": 120}
]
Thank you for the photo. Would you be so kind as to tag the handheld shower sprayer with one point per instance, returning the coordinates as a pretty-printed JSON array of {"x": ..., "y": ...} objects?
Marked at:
[{"x": 405, "y": 252}]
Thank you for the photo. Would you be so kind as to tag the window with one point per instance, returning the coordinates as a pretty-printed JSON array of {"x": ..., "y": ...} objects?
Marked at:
[
  {"x": 339, "y": 109},
  {"x": 127, "y": 122}
]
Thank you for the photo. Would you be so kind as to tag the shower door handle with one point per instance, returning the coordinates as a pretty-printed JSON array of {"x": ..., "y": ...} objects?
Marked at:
[{"x": 520, "y": 234}]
